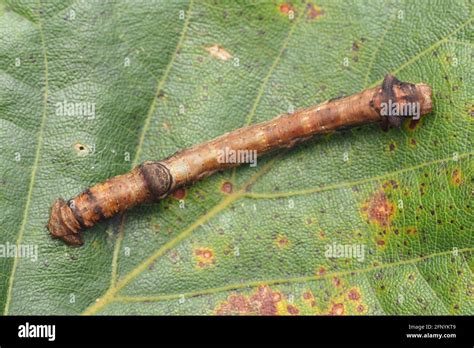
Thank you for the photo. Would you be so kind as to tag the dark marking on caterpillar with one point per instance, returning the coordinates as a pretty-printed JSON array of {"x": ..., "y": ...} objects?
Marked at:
[
  {"x": 402, "y": 93},
  {"x": 388, "y": 94},
  {"x": 154, "y": 180},
  {"x": 76, "y": 214},
  {"x": 95, "y": 205},
  {"x": 98, "y": 211}
]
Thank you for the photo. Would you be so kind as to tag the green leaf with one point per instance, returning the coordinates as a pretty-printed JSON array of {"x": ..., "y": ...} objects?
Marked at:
[{"x": 260, "y": 243}]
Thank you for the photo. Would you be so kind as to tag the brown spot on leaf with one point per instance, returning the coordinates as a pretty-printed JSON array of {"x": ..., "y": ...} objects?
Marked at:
[
  {"x": 282, "y": 241},
  {"x": 263, "y": 302},
  {"x": 353, "y": 295},
  {"x": 204, "y": 257},
  {"x": 456, "y": 177},
  {"x": 227, "y": 187},
  {"x": 218, "y": 52},
  {"x": 309, "y": 298},
  {"x": 413, "y": 124},
  {"x": 308, "y": 295},
  {"x": 292, "y": 310},
  {"x": 390, "y": 184},
  {"x": 235, "y": 304},
  {"x": 379, "y": 209},
  {"x": 337, "y": 309}
]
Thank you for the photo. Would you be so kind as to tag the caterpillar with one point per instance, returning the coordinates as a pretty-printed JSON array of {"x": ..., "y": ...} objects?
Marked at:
[{"x": 152, "y": 181}]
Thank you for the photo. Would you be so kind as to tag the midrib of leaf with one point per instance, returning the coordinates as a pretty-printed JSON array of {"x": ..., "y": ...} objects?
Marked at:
[
  {"x": 276, "y": 195},
  {"x": 110, "y": 294},
  {"x": 144, "y": 130},
  {"x": 35, "y": 163}
]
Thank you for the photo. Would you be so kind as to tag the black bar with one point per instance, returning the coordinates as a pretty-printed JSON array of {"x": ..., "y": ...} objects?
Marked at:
[{"x": 243, "y": 330}]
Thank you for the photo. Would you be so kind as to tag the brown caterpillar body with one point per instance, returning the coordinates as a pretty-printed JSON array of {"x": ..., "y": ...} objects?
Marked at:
[{"x": 152, "y": 181}]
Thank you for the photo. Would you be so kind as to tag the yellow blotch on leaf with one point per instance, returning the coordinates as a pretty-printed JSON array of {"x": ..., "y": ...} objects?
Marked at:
[
  {"x": 282, "y": 241},
  {"x": 348, "y": 302},
  {"x": 411, "y": 231},
  {"x": 204, "y": 257},
  {"x": 218, "y": 52},
  {"x": 456, "y": 177}
]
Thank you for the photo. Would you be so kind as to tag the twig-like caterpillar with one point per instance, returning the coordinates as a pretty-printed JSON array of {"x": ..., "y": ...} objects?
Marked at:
[{"x": 152, "y": 181}]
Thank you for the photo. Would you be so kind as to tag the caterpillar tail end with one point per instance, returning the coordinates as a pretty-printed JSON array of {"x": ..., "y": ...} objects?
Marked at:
[{"x": 63, "y": 224}]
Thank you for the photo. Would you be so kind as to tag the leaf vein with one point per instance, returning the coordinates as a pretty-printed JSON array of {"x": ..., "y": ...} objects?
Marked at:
[{"x": 34, "y": 167}]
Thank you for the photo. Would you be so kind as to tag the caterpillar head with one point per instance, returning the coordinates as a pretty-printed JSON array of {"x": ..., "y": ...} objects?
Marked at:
[{"x": 398, "y": 100}]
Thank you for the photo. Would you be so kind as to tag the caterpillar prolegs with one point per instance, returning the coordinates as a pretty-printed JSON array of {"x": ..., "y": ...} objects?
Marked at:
[{"x": 387, "y": 104}]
